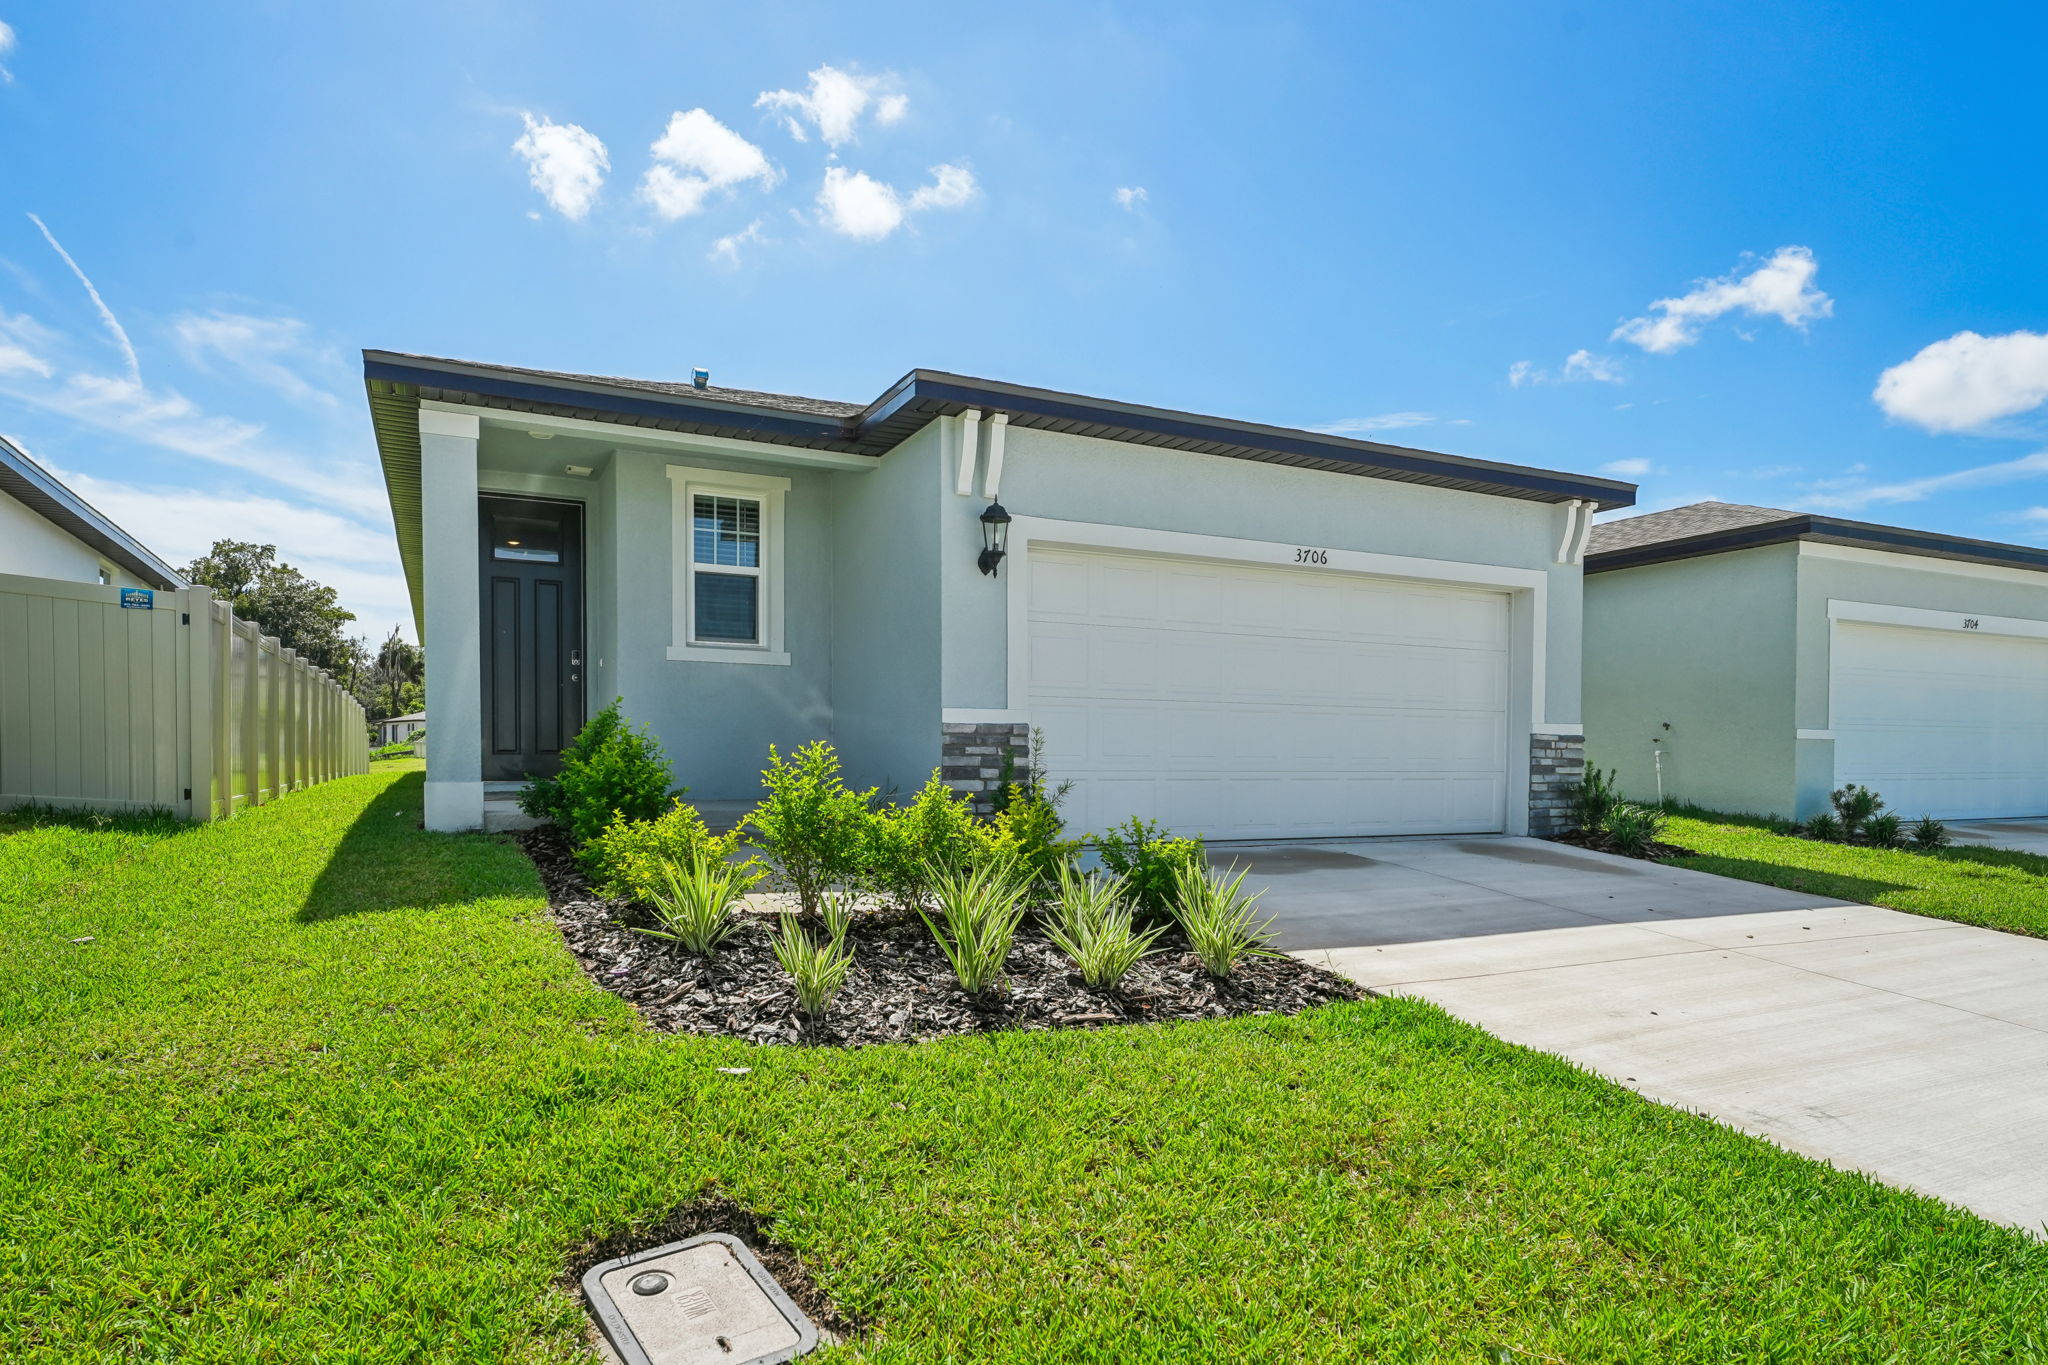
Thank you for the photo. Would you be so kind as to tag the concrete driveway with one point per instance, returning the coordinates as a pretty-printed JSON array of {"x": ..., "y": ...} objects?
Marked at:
[
  {"x": 1909, "y": 1048},
  {"x": 2028, "y": 836}
]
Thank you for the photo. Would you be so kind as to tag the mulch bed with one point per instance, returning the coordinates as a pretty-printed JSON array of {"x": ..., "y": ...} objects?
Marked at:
[
  {"x": 900, "y": 987},
  {"x": 1600, "y": 843}
]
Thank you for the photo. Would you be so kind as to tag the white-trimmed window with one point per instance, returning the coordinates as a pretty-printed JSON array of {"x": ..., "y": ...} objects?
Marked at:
[{"x": 727, "y": 588}]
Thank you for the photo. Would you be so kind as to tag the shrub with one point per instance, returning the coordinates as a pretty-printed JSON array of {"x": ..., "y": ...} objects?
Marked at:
[
  {"x": 1092, "y": 924},
  {"x": 695, "y": 906},
  {"x": 1032, "y": 782},
  {"x": 1930, "y": 834},
  {"x": 1855, "y": 804},
  {"x": 813, "y": 827},
  {"x": 817, "y": 966},
  {"x": 1150, "y": 863},
  {"x": 937, "y": 829},
  {"x": 1217, "y": 918},
  {"x": 1632, "y": 830},
  {"x": 1885, "y": 831},
  {"x": 1827, "y": 827},
  {"x": 1591, "y": 800},
  {"x": 629, "y": 858},
  {"x": 1027, "y": 831},
  {"x": 979, "y": 909},
  {"x": 609, "y": 772}
]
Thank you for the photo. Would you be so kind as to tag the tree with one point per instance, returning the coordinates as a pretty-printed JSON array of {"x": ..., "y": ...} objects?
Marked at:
[
  {"x": 397, "y": 676},
  {"x": 304, "y": 615}
]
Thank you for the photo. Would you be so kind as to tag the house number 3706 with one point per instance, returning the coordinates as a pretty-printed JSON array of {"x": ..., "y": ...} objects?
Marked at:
[{"x": 1304, "y": 555}]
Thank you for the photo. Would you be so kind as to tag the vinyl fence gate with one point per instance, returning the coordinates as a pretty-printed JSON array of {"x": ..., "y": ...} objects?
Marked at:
[{"x": 123, "y": 699}]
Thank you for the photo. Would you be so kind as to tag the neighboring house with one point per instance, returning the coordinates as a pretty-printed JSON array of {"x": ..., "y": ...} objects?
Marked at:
[
  {"x": 392, "y": 729},
  {"x": 48, "y": 531},
  {"x": 1242, "y": 630},
  {"x": 1771, "y": 657}
]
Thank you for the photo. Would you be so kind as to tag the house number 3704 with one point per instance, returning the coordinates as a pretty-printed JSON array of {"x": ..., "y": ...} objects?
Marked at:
[
  {"x": 1304, "y": 555},
  {"x": 1969, "y": 623}
]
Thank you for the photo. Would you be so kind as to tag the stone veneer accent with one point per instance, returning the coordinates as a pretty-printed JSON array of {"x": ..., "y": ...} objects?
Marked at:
[
  {"x": 1556, "y": 763},
  {"x": 971, "y": 756}
]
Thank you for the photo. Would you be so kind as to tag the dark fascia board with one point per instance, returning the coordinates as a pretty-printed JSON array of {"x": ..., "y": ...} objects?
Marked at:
[
  {"x": 39, "y": 490},
  {"x": 939, "y": 392},
  {"x": 923, "y": 394},
  {"x": 1826, "y": 531}
]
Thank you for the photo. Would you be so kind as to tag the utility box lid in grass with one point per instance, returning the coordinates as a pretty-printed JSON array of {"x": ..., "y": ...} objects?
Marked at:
[{"x": 696, "y": 1302}]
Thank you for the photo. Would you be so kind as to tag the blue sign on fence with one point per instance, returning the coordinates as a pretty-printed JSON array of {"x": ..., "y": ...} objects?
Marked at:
[{"x": 140, "y": 598}]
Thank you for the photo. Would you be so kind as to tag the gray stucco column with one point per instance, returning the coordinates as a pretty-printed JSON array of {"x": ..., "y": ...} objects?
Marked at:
[{"x": 448, "y": 549}]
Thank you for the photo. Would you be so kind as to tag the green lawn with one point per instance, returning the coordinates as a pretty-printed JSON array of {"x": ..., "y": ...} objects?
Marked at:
[
  {"x": 1993, "y": 887},
  {"x": 324, "y": 1087}
]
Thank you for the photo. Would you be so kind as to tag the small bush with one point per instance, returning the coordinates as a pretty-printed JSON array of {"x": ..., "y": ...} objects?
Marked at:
[
  {"x": 1592, "y": 799},
  {"x": 814, "y": 828},
  {"x": 1633, "y": 830},
  {"x": 696, "y": 904},
  {"x": 1150, "y": 863},
  {"x": 1930, "y": 834},
  {"x": 1885, "y": 831},
  {"x": 609, "y": 772},
  {"x": 1092, "y": 924},
  {"x": 628, "y": 859},
  {"x": 1826, "y": 827},
  {"x": 817, "y": 966},
  {"x": 1217, "y": 918},
  {"x": 1854, "y": 805},
  {"x": 937, "y": 829},
  {"x": 979, "y": 911},
  {"x": 1027, "y": 831}
]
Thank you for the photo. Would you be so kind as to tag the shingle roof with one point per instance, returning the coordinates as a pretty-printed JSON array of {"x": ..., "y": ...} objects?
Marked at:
[
  {"x": 752, "y": 398},
  {"x": 1710, "y": 528},
  {"x": 1698, "y": 519}
]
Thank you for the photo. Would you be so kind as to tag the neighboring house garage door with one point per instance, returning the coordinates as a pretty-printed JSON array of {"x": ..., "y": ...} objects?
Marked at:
[
  {"x": 1247, "y": 702},
  {"x": 1943, "y": 723}
]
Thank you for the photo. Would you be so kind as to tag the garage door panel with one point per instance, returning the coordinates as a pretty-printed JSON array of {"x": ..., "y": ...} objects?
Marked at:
[
  {"x": 1262, "y": 703},
  {"x": 1942, "y": 722}
]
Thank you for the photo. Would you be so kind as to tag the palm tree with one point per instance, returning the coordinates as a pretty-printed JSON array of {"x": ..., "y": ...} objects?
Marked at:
[{"x": 399, "y": 664}]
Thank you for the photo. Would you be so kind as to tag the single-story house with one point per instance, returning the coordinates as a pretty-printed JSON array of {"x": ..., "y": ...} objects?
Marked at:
[
  {"x": 1243, "y": 630},
  {"x": 48, "y": 531},
  {"x": 392, "y": 729},
  {"x": 1753, "y": 659}
]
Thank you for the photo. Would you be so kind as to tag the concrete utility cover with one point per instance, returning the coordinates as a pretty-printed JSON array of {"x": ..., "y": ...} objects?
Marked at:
[{"x": 705, "y": 1301}]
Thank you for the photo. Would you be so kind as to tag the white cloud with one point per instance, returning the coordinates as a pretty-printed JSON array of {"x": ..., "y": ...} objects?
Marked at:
[
  {"x": 1581, "y": 366},
  {"x": 1626, "y": 469},
  {"x": 697, "y": 156},
  {"x": 112, "y": 323},
  {"x": 22, "y": 340},
  {"x": 1781, "y": 287},
  {"x": 1128, "y": 197},
  {"x": 6, "y": 46},
  {"x": 834, "y": 103},
  {"x": 951, "y": 187},
  {"x": 1848, "y": 495},
  {"x": 259, "y": 347},
  {"x": 727, "y": 249},
  {"x": 1386, "y": 421},
  {"x": 1967, "y": 380},
  {"x": 565, "y": 162},
  {"x": 857, "y": 205}
]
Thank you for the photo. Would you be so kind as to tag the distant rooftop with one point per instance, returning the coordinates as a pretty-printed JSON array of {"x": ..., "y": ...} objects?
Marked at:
[{"x": 1707, "y": 528}]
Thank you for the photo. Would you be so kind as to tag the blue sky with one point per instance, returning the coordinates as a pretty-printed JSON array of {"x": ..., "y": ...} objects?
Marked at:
[{"x": 1787, "y": 254}]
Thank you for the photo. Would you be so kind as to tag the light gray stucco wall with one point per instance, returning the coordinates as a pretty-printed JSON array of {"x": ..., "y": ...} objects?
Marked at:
[
  {"x": 1078, "y": 478},
  {"x": 717, "y": 719},
  {"x": 885, "y": 632},
  {"x": 1826, "y": 573},
  {"x": 34, "y": 548},
  {"x": 1707, "y": 646}
]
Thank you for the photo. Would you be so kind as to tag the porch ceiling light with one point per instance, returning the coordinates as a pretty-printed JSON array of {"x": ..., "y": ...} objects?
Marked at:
[{"x": 995, "y": 538}]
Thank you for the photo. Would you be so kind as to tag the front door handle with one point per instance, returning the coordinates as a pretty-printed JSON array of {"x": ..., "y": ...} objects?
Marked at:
[{"x": 575, "y": 665}]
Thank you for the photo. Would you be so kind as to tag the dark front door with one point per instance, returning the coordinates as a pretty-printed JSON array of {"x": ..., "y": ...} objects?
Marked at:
[{"x": 532, "y": 553}]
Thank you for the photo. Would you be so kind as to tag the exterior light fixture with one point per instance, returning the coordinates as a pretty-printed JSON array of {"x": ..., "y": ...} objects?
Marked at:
[{"x": 995, "y": 535}]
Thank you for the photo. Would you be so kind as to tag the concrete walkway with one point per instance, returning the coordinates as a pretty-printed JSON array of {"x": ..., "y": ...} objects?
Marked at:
[{"x": 1909, "y": 1048}]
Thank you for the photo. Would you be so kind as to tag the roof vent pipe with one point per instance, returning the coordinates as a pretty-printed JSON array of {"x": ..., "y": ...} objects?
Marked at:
[{"x": 700, "y": 378}]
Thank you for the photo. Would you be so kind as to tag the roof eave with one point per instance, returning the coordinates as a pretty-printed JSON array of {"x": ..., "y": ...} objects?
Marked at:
[
  {"x": 1823, "y": 531},
  {"x": 41, "y": 492}
]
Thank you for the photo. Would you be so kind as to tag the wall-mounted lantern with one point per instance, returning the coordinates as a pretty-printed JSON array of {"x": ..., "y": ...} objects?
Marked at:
[{"x": 995, "y": 537}]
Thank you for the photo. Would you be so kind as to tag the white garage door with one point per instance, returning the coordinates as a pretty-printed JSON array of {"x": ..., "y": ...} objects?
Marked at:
[
  {"x": 1942, "y": 722},
  {"x": 1243, "y": 702}
]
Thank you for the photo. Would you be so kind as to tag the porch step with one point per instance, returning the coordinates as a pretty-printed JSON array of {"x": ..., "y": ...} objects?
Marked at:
[{"x": 502, "y": 813}]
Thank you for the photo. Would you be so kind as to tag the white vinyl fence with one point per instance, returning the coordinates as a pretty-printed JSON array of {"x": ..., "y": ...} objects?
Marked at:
[{"x": 119, "y": 699}]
